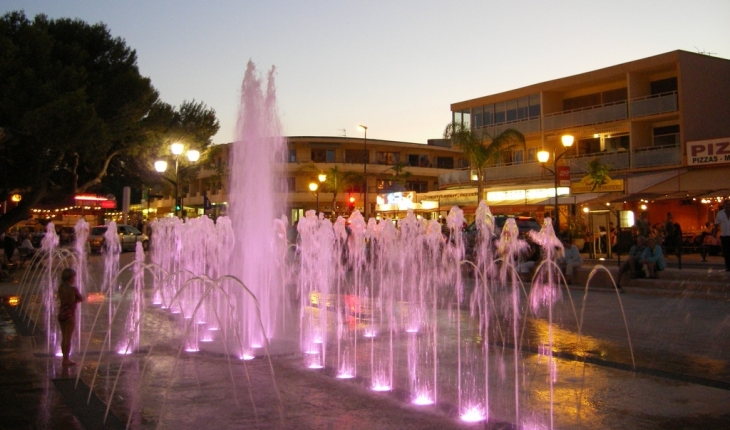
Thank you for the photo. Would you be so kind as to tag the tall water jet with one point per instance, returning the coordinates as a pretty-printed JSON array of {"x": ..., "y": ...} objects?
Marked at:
[{"x": 256, "y": 200}]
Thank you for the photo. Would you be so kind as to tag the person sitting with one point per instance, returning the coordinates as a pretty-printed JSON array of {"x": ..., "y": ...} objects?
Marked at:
[
  {"x": 652, "y": 259},
  {"x": 26, "y": 245},
  {"x": 531, "y": 259},
  {"x": 632, "y": 265},
  {"x": 571, "y": 260}
]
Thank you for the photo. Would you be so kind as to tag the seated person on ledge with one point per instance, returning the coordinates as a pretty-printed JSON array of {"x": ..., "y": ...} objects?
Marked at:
[
  {"x": 632, "y": 264},
  {"x": 571, "y": 260},
  {"x": 26, "y": 245},
  {"x": 652, "y": 258}
]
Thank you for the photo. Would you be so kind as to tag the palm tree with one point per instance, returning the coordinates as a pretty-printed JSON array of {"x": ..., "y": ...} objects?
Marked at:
[
  {"x": 337, "y": 181},
  {"x": 400, "y": 174},
  {"x": 483, "y": 149}
]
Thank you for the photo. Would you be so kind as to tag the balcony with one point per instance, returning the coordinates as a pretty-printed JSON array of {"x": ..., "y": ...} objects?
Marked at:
[
  {"x": 586, "y": 116},
  {"x": 657, "y": 156},
  {"x": 523, "y": 126},
  {"x": 513, "y": 171},
  {"x": 617, "y": 161},
  {"x": 654, "y": 104}
]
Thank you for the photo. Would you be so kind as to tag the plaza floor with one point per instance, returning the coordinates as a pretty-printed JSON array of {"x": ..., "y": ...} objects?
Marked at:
[{"x": 679, "y": 377}]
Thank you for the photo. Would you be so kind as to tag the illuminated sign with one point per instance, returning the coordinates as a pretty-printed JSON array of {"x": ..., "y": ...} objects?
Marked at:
[
  {"x": 704, "y": 152},
  {"x": 533, "y": 194}
]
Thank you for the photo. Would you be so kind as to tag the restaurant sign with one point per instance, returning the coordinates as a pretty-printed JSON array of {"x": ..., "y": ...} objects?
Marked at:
[
  {"x": 588, "y": 185},
  {"x": 704, "y": 152}
]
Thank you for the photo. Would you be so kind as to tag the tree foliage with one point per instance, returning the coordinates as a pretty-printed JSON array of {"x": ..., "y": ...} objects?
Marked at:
[
  {"x": 483, "y": 149},
  {"x": 75, "y": 112}
]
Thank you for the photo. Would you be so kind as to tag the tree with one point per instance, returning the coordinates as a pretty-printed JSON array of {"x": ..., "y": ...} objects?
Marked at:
[
  {"x": 483, "y": 150},
  {"x": 400, "y": 174},
  {"x": 337, "y": 181},
  {"x": 75, "y": 110}
]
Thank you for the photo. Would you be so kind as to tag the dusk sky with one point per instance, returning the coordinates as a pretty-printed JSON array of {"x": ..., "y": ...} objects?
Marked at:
[{"x": 395, "y": 66}]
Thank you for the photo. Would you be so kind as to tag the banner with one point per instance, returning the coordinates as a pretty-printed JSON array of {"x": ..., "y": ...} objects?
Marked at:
[
  {"x": 587, "y": 185},
  {"x": 563, "y": 176}
]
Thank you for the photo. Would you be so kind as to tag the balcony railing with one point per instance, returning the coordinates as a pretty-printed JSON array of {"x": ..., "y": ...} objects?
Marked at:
[
  {"x": 654, "y": 104},
  {"x": 526, "y": 126},
  {"x": 617, "y": 161},
  {"x": 586, "y": 116},
  {"x": 657, "y": 156},
  {"x": 514, "y": 171}
]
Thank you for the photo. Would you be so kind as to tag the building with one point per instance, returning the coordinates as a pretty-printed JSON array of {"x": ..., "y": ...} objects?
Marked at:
[
  {"x": 661, "y": 124},
  {"x": 402, "y": 168}
]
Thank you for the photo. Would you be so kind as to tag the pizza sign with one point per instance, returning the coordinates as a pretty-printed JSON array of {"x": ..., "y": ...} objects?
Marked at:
[{"x": 704, "y": 152}]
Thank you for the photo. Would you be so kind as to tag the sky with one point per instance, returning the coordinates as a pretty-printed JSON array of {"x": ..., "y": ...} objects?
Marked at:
[{"x": 395, "y": 66}]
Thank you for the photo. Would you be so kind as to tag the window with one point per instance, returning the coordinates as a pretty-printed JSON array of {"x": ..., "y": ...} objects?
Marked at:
[
  {"x": 423, "y": 161},
  {"x": 518, "y": 156},
  {"x": 292, "y": 156},
  {"x": 582, "y": 102},
  {"x": 523, "y": 108},
  {"x": 531, "y": 154},
  {"x": 445, "y": 162},
  {"x": 664, "y": 86},
  {"x": 511, "y": 110},
  {"x": 417, "y": 186},
  {"x": 357, "y": 156},
  {"x": 477, "y": 114},
  {"x": 614, "y": 96},
  {"x": 534, "y": 105},
  {"x": 389, "y": 158},
  {"x": 488, "y": 115},
  {"x": 291, "y": 184},
  {"x": 383, "y": 185},
  {"x": 323, "y": 155},
  {"x": 413, "y": 160},
  {"x": 589, "y": 146},
  {"x": 618, "y": 143},
  {"x": 499, "y": 113},
  {"x": 666, "y": 136}
]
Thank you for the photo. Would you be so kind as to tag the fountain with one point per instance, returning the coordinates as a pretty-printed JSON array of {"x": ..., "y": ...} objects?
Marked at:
[{"x": 399, "y": 311}]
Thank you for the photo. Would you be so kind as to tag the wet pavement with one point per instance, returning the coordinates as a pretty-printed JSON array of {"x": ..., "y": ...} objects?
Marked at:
[{"x": 679, "y": 376}]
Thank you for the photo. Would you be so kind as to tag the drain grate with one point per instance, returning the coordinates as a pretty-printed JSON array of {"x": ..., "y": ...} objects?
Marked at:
[{"x": 91, "y": 415}]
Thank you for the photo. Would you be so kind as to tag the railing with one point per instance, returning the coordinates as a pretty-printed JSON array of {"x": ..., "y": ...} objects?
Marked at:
[
  {"x": 514, "y": 171},
  {"x": 657, "y": 156},
  {"x": 617, "y": 161},
  {"x": 654, "y": 104},
  {"x": 586, "y": 116},
  {"x": 524, "y": 126}
]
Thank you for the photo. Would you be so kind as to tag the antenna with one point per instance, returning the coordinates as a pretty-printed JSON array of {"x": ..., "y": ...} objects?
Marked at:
[
  {"x": 705, "y": 52},
  {"x": 344, "y": 132}
]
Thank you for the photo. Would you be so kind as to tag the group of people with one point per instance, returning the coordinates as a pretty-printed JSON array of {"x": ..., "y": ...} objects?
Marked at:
[
  {"x": 645, "y": 260},
  {"x": 13, "y": 241},
  {"x": 568, "y": 260}
]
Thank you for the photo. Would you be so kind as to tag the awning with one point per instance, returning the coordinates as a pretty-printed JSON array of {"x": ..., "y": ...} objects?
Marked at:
[{"x": 694, "y": 182}]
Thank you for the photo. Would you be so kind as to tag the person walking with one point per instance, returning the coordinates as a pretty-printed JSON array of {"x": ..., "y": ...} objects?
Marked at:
[
  {"x": 722, "y": 220},
  {"x": 642, "y": 225},
  {"x": 68, "y": 297}
]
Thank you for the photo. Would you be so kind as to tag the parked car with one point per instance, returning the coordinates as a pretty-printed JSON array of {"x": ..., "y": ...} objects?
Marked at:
[{"x": 128, "y": 237}]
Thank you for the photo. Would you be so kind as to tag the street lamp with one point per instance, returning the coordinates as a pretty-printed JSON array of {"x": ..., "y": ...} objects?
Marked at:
[
  {"x": 314, "y": 187},
  {"x": 543, "y": 157},
  {"x": 161, "y": 166},
  {"x": 365, "y": 171}
]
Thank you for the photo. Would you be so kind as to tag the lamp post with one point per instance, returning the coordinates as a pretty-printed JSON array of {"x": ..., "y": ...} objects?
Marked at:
[
  {"x": 161, "y": 166},
  {"x": 543, "y": 157},
  {"x": 314, "y": 187},
  {"x": 365, "y": 172}
]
